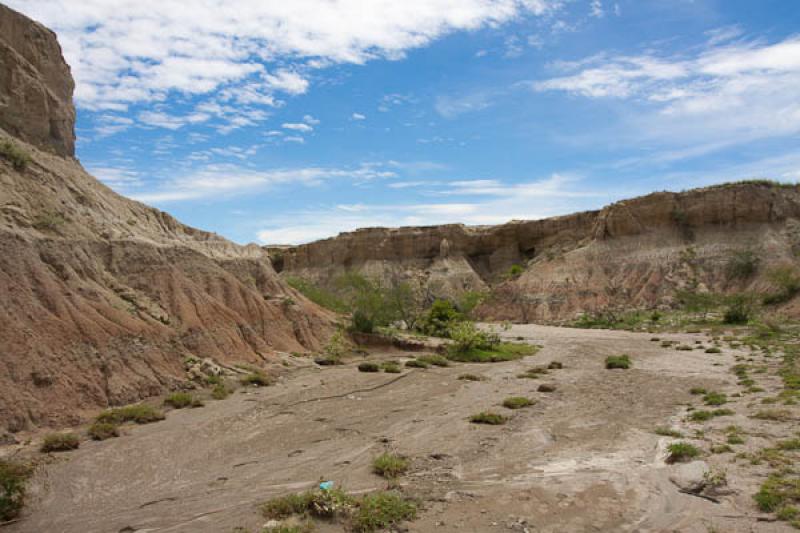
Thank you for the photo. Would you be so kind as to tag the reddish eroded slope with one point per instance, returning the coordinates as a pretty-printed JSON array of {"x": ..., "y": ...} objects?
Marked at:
[{"x": 102, "y": 297}]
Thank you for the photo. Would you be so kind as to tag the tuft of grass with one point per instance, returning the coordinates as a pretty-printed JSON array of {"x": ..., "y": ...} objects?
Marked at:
[
  {"x": 735, "y": 439},
  {"x": 416, "y": 363},
  {"x": 15, "y": 155},
  {"x": 505, "y": 351},
  {"x": 103, "y": 430},
  {"x": 220, "y": 391},
  {"x": 533, "y": 373},
  {"x": 618, "y": 361},
  {"x": 789, "y": 445},
  {"x": 775, "y": 415},
  {"x": 721, "y": 448},
  {"x": 256, "y": 379},
  {"x": 390, "y": 465},
  {"x": 435, "y": 360},
  {"x": 713, "y": 349},
  {"x": 555, "y": 365},
  {"x": 13, "y": 478},
  {"x": 697, "y": 390},
  {"x": 391, "y": 367},
  {"x": 492, "y": 419},
  {"x": 546, "y": 387},
  {"x": 318, "y": 503},
  {"x": 60, "y": 442},
  {"x": 715, "y": 398},
  {"x": 777, "y": 492},
  {"x": 681, "y": 451},
  {"x": 181, "y": 400},
  {"x": 517, "y": 402},
  {"x": 381, "y": 510},
  {"x": 684, "y": 348},
  {"x": 369, "y": 367},
  {"x": 140, "y": 414},
  {"x": 667, "y": 432},
  {"x": 471, "y": 377},
  {"x": 701, "y": 415}
]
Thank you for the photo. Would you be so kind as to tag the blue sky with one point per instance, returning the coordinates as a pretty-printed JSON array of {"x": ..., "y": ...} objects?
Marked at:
[{"x": 285, "y": 122}]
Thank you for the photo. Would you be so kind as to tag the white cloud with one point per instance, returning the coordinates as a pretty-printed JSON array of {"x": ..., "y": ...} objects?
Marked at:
[
  {"x": 215, "y": 181},
  {"x": 308, "y": 119},
  {"x": 358, "y": 116},
  {"x": 297, "y": 126},
  {"x": 596, "y": 9},
  {"x": 452, "y": 106},
  {"x": 723, "y": 95},
  {"x": 117, "y": 178},
  {"x": 555, "y": 197},
  {"x": 127, "y": 51},
  {"x": 294, "y": 139}
]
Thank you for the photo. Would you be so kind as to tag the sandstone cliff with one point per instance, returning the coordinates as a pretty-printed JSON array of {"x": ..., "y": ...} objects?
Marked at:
[
  {"x": 103, "y": 298},
  {"x": 632, "y": 254}
]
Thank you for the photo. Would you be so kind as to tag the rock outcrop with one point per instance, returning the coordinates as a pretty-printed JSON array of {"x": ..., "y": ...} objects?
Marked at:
[
  {"x": 35, "y": 85},
  {"x": 104, "y": 298},
  {"x": 631, "y": 254}
]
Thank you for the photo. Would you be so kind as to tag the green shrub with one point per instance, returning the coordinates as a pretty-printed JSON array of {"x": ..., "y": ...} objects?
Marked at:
[
  {"x": 48, "y": 221},
  {"x": 739, "y": 310},
  {"x": 713, "y": 349},
  {"x": 60, "y": 442},
  {"x": 555, "y": 365},
  {"x": 469, "y": 301},
  {"x": 492, "y": 419},
  {"x": 742, "y": 265},
  {"x": 471, "y": 377},
  {"x": 435, "y": 360},
  {"x": 618, "y": 361},
  {"x": 318, "y": 503},
  {"x": 220, "y": 391},
  {"x": 13, "y": 478},
  {"x": 515, "y": 271},
  {"x": 390, "y": 465},
  {"x": 416, "y": 363},
  {"x": 103, "y": 430},
  {"x": 667, "y": 432},
  {"x": 545, "y": 387},
  {"x": 391, "y": 367},
  {"x": 697, "y": 390},
  {"x": 256, "y": 379},
  {"x": 715, "y": 398},
  {"x": 439, "y": 319},
  {"x": 517, "y": 402},
  {"x": 702, "y": 416},
  {"x": 776, "y": 492},
  {"x": 681, "y": 451},
  {"x": 318, "y": 295},
  {"x": 15, "y": 155},
  {"x": 140, "y": 414},
  {"x": 382, "y": 510},
  {"x": 777, "y": 415},
  {"x": 362, "y": 323},
  {"x": 369, "y": 367},
  {"x": 180, "y": 400}
]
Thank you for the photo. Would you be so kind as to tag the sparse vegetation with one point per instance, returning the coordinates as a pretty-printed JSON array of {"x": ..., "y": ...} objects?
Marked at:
[
  {"x": 702, "y": 416},
  {"x": 775, "y": 415},
  {"x": 739, "y": 310},
  {"x": 60, "y": 442},
  {"x": 697, "y": 390},
  {"x": 369, "y": 367},
  {"x": 103, "y": 430},
  {"x": 517, "y": 402},
  {"x": 787, "y": 280},
  {"x": 667, "y": 432},
  {"x": 49, "y": 221},
  {"x": 391, "y": 367},
  {"x": 471, "y": 377},
  {"x": 492, "y": 419},
  {"x": 181, "y": 400},
  {"x": 220, "y": 391},
  {"x": 545, "y": 387},
  {"x": 715, "y": 398},
  {"x": 742, "y": 265},
  {"x": 256, "y": 378},
  {"x": 15, "y": 155},
  {"x": 416, "y": 363},
  {"x": 318, "y": 295},
  {"x": 434, "y": 360},
  {"x": 618, "y": 361},
  {"x": 334, "y": 350},
  {"x": 390, "y": 465},
  {"x": 381, "y": 510},
  {"x": 681, "y": 451},
  {"x": 13, "y": 479},
  {"x": 515, "y": 271},
  {"x": 778, "y": 492},
  {"x": 439, "y": 319},
  {"x": 140, "y": 414}
]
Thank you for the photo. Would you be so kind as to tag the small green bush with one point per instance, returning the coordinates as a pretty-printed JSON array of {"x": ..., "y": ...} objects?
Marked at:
[
  {"x": 776, "y": 415},
  {"x": 702, "y": 416},
  {"x": 739, "y": 310},
  {"x": 439, "y": 319},
  {"x": 697, "y": 390},
  {"x": 180, "y": 400},
  {"x": 742, "y": 264},
  {"x": 715, "y": 398},
  {"x": 492, "y": 419},
  {"x": 713, "y": 349},
  {"x": 545, "y": 387},
  {"x": 515, "y": 271},
  {"x": 471, "y": 377},
  {"x": 777, "y": 492},
  {"x": 13, "y": 478},
  {"x": 256, "y": 379},
  {"x": 681, "y": 451},
  {"x": 517, "y": 402},
  {"x": 369, "y": 367},
  {"x": 220, "y": 391},
  {"x": 382, "y": 510},
  {"x": 555, "y": 365},
  {"x": 435, "y": 360},
  {"x": 318, "y": 503},
  {"x": 140, "y": 414},
  {"x": 103, "y": 430},
  {"x": 60, "y": 442},
  {"x": 416, "y": 363},
  {"x": 390, "y": 465},
  {"x": 15, "y": 155},
  {"x": 391, "y": 367},
  {"x": 618, "y": 361}
]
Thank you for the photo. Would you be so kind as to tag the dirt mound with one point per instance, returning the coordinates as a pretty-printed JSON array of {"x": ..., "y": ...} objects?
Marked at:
[
  {"x": 632, "y": 254},
  {"x": 103, "y": 297}
]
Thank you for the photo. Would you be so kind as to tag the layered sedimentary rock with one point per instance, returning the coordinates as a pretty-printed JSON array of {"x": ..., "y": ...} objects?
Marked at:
[
  {"x": 631, "y": 254},
  {"x": 103, "y": 298}
]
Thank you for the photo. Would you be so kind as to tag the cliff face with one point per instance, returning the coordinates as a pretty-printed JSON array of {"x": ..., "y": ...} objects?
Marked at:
[
  {"x": 103, "y": 298},
  {"x": 35, "y": 85},
  {"x": 632, "y": 254}
]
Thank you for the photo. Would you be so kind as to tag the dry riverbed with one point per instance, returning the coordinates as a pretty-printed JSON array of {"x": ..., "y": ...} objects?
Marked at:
[{"x": 584, "y": 457}]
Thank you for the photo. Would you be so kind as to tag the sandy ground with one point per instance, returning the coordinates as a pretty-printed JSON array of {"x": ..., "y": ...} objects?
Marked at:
[{"x": 584, "y": 458}]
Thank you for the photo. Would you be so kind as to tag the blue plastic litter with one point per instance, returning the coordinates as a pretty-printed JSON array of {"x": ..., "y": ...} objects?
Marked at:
[{"x": 326, "y": 485}]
